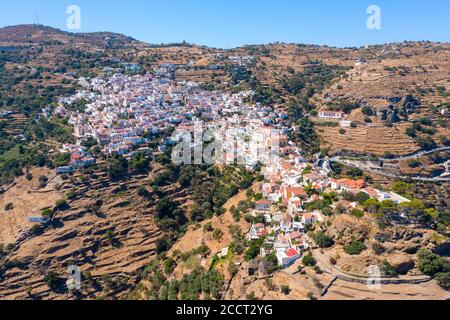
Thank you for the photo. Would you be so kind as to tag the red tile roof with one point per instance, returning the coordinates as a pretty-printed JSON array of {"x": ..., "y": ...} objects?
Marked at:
[{"x": 291, "y": 253}]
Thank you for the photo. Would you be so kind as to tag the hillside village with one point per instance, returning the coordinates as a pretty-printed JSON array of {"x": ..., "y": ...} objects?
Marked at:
[
  {"x": 309, "y": 162},
  {"x": 120, "y": 112}
]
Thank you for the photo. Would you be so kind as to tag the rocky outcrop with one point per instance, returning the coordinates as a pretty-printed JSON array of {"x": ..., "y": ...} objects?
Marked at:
[
  {"x": 402, "y": 263},
  {"x": 345, "y": 229},
  {"x": 410, "y": 104}
]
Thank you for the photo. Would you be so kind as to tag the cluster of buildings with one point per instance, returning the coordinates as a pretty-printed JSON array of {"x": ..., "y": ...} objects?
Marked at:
[
  {"x": 291, "y": 186},
  {"x": 79, "y": 158},
  {"x": 123, "y": 111}
]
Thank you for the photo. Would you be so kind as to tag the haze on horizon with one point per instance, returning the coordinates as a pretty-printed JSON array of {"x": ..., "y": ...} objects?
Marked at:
[{"x": 234, "y": 23}]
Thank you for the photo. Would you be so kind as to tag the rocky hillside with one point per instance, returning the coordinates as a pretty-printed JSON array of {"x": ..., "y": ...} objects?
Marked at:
[{"x": 106, "y": 230}]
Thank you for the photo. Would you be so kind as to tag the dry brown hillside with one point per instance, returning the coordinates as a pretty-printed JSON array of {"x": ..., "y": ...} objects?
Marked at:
[{"x": 114, "y": 241}]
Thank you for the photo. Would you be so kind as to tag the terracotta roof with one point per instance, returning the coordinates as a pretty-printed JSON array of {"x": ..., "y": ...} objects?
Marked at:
[
  {"x": 294, "y": 191},
  {"x": 295, "y": 235},
  {"x": 291, "y": 252},
  {"x": 263, "y": 202}
]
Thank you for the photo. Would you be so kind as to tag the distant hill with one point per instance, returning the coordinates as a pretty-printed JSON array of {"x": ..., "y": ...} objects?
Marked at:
[{"x": 38, "y": 34}]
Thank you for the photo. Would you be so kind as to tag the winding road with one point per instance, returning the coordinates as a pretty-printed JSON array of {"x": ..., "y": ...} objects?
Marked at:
[{"x": 327, "y": 167}]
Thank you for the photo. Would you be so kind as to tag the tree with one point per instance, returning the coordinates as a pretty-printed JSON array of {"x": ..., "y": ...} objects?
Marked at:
[
  {"x": 443, "y": 280},
  {"x": 431, "y": 263},
  {"x": 46, "y": 213},
  {"x": 309, "y": 261},
  {"x": 254, "y": 249},
  {"x": 140, "y": 162},
  {"x": 43, "y": 181},
  {"x": 367, "y": 111},
  {"x": 414, "y": 163},
  {"x": 355, "y": 248},
  {"x": 9, "y": 206},
  {"x": 362, "y": 197},
  {"x": 118, "y": 167},
  {"x": 322, "y": 240},
  {"x": 61, "y": 204},
  {"x": 372, "y": 205},
  {"x": 411, "y": 132},
  {"x": 52, "y": 280}
]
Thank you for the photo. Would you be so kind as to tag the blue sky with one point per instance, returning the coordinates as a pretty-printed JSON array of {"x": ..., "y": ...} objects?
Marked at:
[{"x": 232, "y": 23}]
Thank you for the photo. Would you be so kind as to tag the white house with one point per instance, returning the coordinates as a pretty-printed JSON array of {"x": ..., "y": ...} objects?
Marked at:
[
  {"x": 331, "y": 114},
  {"x": 262, "y": 205},
  {"x": 287, "y": 257}
]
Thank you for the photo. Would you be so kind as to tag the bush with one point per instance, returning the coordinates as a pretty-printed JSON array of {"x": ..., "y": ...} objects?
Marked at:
[
  {"x": 61, "y": 204},
  {"x": 414, "y": 164},
  {"x": 217, "y": 234},
  {"x": 285, "y": 290},
  {"x": 322, "y": 240},
  {"x": 368, "y": 111},
  {"x": 342, "y": 131},
  {"x": 388, "y": 270},
  {"x": 143, "y": 192},
  {"x": 71, "y": 195},
  {"x": 443, "y": 280},
  {"x": 9, "y": 207},
  {"x": 46, "y": 213},
  {"x": 432, "y": 264},
  {"x": 309, "y": 261},
  {"x": 362, "y": 197},
  {"x": 355, "y": 248},
  {"x": 52, "y": 280},
  {"x": 208, "y": 227},
  {"x": 357, "y": 213},
  {"x": 43, "y": 181},
  {"x": 36, "y": 230},
  {"x": 169, "y": 265}
]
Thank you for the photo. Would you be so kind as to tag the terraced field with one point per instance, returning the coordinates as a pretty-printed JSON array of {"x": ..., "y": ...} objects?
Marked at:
[
  {"x": 374, "y": 140},
  {"x": 117, "y": 240}
]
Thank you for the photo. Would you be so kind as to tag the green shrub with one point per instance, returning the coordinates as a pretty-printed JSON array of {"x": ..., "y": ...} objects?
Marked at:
[
  {"x": 322, "y": 240},
  {"x": 432, "y": 264},
  {"x": 443, "y": 280},
  {"x": 388, "y": 270},
  {"x": 285, "y": 289},
  {"x": 355, "y": 248},
  {"x": 357, "y": 213},
  {"x": 309, "y": 261}
]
